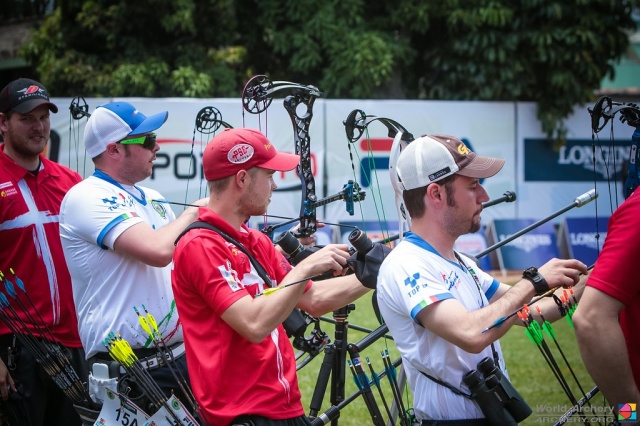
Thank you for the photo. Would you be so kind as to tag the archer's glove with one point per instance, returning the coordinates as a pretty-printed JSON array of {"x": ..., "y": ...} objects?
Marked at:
[{"x": 366, "y": 266}]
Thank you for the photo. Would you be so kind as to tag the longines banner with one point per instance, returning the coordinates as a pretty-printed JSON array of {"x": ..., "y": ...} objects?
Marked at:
[{"x": 544, "y": 180}]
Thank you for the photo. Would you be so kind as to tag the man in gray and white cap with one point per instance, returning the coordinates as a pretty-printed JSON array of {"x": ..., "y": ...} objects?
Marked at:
[{"x": 435, "y": 301}]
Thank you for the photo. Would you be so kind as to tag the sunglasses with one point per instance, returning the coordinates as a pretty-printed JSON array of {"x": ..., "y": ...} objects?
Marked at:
[{"x": 147, "y": 141}]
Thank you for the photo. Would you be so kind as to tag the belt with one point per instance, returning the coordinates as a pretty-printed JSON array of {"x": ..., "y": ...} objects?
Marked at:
[
  {"x": 150, "y": 362},
  {"x": 157, "y": 360}
]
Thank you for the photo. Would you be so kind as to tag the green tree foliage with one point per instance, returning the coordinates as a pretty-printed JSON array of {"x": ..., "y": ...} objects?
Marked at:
[{"x": 553, "y": 52}]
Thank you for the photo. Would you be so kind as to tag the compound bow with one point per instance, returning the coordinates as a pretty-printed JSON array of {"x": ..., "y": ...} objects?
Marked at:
[{"x": 256, "y": 98}]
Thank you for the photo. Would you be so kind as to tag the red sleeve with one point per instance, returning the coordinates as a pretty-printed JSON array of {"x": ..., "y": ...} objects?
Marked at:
[
  {"x": 208, "y": 268},
  {"x": 615, "y": 270}
]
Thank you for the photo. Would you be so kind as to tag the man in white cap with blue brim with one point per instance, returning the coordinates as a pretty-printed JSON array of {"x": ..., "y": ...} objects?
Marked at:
[{"x": 118, "y": 241}]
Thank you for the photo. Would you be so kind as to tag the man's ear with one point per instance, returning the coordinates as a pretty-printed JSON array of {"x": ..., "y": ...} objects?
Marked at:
[
  {"x": 3, "y": 121},
  {"x": 434, "y": 192},
  {"x": 242, "y": 178},
  {"x": 114, "y": 148}
]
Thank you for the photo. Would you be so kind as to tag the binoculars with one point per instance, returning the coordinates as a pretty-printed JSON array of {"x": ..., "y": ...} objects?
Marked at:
[{"x": 499, "y": 401}]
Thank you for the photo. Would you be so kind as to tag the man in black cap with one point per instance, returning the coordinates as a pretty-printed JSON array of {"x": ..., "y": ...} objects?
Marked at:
[{"x": 31, "y": 190}]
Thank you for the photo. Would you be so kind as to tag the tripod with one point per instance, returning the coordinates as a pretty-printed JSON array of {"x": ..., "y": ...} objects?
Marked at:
[{"x": 334, "y": 366}]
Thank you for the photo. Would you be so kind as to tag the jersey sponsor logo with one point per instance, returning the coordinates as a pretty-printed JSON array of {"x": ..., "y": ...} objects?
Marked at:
[
  {"x": 159, "y": 208},
  {"x": 412, "y": 280},
  {"x": 452, "y": 280},
  {"x": 415, "y": 287},
  {"x": 7, "y": 189},
  {"x": 8, "y": 192},
  {"x": 111, "y": 200},
  {"x": 127, "y": 200},
  {"x": 230, "y": 276},
  {"x": 116, "y": 201}
]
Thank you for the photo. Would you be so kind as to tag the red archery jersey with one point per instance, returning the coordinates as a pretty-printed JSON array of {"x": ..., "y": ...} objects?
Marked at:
[
  {"x": 230, "y": 375},
  {"x": 616, "y": 274},
  {"x": 30, "y": 245}
]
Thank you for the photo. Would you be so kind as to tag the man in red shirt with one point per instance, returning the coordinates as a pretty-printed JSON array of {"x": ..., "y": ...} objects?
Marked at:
[
  {"x": 608, "y": 316},
  {"x": 241, "y": 363},
  {"x": 31, "y": 190}
]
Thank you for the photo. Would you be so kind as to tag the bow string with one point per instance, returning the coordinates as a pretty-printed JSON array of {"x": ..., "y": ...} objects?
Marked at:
[
  {"x": 207, "y": 122},
  {"x": 78, "y": 109},
  {"x": 356, "y": 125}
]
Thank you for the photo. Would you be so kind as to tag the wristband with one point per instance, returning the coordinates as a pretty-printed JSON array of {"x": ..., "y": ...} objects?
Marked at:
[{"x": 539, "y": 283}]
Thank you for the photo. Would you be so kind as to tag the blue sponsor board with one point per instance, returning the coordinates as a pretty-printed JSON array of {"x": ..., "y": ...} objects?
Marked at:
[
  {"x": 534, "y": 248},
  {"x": 573, "y": 162},
  {"x": 582, "y": 238}
]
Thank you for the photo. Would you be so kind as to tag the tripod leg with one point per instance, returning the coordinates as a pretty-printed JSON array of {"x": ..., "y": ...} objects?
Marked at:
[
  {"x": 323, "y": 381},
  {"x": 395, "y": 411}
]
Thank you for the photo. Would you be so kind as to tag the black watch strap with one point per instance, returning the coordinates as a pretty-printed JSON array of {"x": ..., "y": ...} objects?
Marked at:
[{"x": 539, "y": 283}]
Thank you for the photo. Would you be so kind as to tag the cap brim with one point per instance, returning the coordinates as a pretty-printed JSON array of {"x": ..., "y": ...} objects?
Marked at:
[
  {"x": 482, "y": 167},
  {"x": 151, "y": 123},
  {"x": 32, "y": 104},
  {"x": 282, "y": 162}
]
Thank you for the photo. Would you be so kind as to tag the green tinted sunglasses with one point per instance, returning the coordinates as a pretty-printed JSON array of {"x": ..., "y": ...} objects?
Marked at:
[{"x": 147, "y": 141}]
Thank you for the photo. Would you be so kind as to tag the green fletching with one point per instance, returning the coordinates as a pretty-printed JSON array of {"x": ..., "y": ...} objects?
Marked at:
[
  {"x": 546, "y": 326},
  {"x": 538, "y": 331},
  {"x": 529, "y": 334},
  {"x": 569, "y": 320}
]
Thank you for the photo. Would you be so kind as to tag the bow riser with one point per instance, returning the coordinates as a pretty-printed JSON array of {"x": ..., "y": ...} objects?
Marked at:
[{"x": 302, "y": 141}]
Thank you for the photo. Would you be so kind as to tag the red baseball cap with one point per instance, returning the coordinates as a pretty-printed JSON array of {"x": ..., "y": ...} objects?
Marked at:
[{"x": 241, "y": 149}]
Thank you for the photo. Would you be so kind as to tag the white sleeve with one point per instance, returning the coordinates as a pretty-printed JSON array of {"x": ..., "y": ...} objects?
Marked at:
[{"x": 97, "y": 213}]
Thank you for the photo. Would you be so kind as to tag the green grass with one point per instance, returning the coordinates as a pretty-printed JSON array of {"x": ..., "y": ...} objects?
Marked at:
[{"x": 529, "y": 372}]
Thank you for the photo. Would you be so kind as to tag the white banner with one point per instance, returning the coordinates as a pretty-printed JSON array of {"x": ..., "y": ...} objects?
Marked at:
[{"x": 498, "y": 129}]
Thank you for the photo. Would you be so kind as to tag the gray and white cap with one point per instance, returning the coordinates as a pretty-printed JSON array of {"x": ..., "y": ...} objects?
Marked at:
[{"x": 431, "y": 158}]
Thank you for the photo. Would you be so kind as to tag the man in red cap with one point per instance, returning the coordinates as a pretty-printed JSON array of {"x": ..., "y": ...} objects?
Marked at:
[
  {"x": 241, "y": 363},
  {"x": 31, "y": 190}
]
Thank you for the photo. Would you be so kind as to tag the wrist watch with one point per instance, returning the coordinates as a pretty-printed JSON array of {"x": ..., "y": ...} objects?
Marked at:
[{"x": 539, "y": 283}]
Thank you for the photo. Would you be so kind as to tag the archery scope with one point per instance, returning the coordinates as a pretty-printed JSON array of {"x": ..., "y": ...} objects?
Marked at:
[
  {"x": 360, "y": 241},
  {"x": 499, "y": 401},
  {"x": 297, "y": 252},
  {"x": 290, "y": 245}
]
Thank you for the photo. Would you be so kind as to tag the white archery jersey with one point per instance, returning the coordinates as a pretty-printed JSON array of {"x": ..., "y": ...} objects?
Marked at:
[
  {"x": 412, "y": 277},
  {"x": 108, "y": 285}
]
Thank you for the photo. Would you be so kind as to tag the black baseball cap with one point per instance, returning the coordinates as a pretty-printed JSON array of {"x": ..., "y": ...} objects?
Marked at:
[{"x": 23, "y": 95}]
